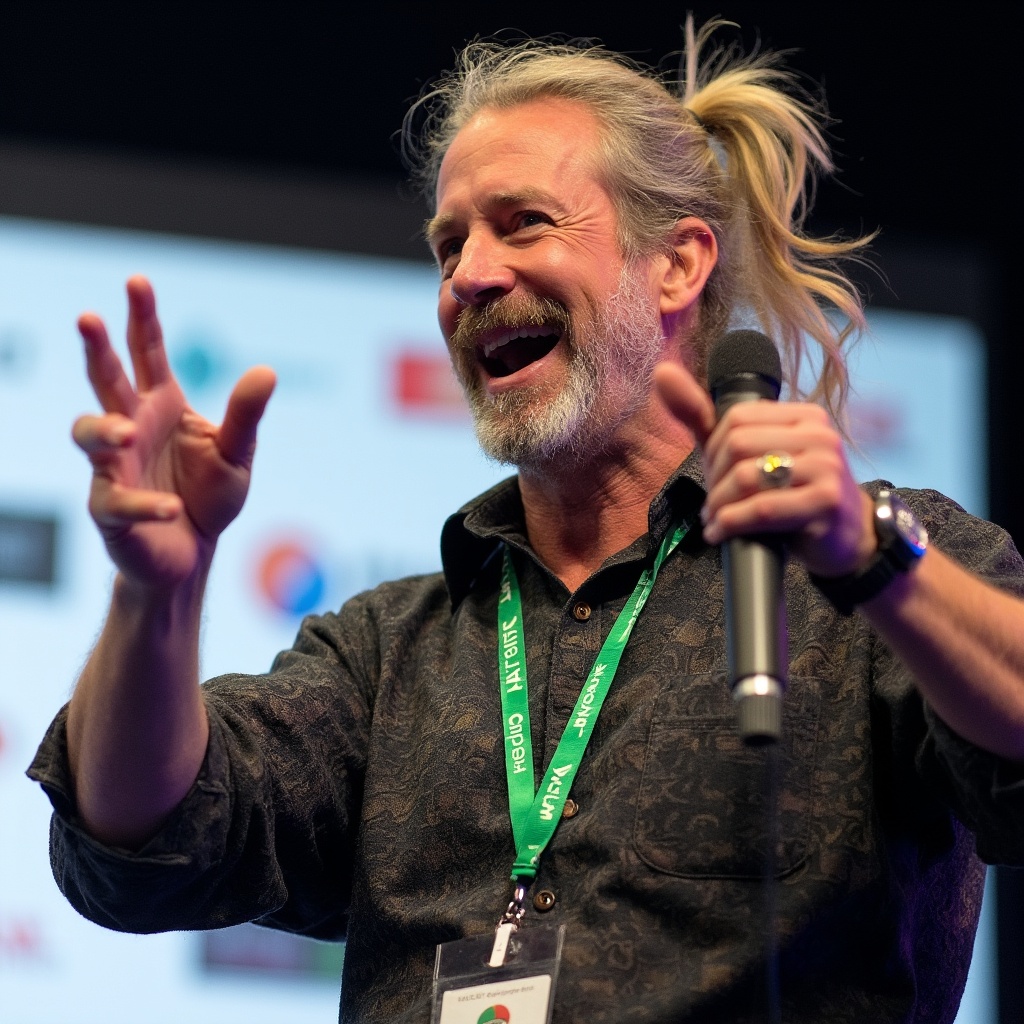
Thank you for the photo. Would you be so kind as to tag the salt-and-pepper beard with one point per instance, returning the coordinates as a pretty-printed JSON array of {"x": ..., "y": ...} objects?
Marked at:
[{"x": 612, "y": 352}]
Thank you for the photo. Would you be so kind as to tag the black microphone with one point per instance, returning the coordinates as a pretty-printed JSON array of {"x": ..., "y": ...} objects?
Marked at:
[{"x": 744, "y": 366}]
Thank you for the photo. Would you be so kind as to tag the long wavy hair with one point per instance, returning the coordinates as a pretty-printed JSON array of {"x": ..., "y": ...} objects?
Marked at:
[{"x": 732, "y": 140}]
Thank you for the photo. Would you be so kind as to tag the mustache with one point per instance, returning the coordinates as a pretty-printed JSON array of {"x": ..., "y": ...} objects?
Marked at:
[{"x": 507, "y": 313}]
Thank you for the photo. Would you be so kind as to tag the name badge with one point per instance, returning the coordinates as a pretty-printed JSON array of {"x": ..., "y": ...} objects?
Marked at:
[{"x": 520, "y": 989}]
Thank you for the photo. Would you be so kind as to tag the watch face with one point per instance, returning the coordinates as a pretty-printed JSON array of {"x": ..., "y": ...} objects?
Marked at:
[{"x": 907, "y": 534}]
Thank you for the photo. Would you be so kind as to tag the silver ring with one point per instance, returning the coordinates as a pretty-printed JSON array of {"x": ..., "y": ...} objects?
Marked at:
[{"x": 776, "y": 469}]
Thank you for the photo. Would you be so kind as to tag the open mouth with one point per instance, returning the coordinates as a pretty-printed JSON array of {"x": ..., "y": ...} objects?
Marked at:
[{"x": 514, "y": 349}]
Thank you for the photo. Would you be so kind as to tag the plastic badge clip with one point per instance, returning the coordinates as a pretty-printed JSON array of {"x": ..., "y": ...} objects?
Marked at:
[{"x": 509, "y": 923}]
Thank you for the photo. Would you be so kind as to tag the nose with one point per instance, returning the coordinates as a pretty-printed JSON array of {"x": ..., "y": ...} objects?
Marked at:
[{"x": 483, "y": 272}]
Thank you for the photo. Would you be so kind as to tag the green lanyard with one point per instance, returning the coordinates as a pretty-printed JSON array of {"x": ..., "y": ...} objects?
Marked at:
[{"x": 535, "y": 813}]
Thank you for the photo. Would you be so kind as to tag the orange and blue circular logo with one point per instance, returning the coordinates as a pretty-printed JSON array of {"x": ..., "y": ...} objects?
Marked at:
[{"x": 291, "y": 578}]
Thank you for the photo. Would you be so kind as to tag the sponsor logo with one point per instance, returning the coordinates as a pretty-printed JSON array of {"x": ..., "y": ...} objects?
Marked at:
[
  {"x": 199, "y": 361},
  {"x": 495, "y": 1013},
  {"x": 589, "y": 696},
  {"x": 249, "y": 949},
  {"x": 423, "y": 384},
  {"x": 877, "y": 425},
  {"x": 17, "y": 353},
  {"x": 294, "y": 575},
  {"x": 514, "y": 735},
  {"x": 207, "y": 364},
  {"x": 550, "y": 797},
  {"x": 291, "y": 578},
  {"x": 28, "y": 548},
  {"x": 510, "y": 654},
  {"x": 21, "y": 939}
]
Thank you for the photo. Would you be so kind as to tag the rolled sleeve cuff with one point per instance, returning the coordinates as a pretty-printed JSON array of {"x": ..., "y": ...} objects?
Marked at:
[
  {"x": 988, "y": 793},
  {"x": 142, "y": 890}
]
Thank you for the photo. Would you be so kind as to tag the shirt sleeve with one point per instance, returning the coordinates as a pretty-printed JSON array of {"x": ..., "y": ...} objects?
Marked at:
[
  {"x": 267, "y": 830},
  {"x": 985, "y": 791}
]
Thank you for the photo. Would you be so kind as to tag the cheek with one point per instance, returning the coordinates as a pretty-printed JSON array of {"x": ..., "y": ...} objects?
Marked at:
[
  {"x": 578, "y": 271},
  {"x": 447, "y": 311}
]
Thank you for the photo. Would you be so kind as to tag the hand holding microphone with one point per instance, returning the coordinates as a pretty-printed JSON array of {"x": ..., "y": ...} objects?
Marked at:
[{"x": 821, "y": 514}]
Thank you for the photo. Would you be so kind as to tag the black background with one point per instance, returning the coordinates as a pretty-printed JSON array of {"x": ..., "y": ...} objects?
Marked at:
[{"x": 927, "y": 128}]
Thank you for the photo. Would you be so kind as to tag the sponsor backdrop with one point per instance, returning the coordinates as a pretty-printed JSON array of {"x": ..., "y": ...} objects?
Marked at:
[{"x": 365, "y": 449}]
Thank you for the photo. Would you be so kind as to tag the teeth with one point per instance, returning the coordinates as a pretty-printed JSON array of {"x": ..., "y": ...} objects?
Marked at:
[
  {"x": 491, "y": 347},
  {"x": 530, "y": 331}
]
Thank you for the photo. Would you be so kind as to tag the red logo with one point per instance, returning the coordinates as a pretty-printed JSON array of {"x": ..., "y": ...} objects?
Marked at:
[
  {"x": 20, "y": 939},
  {"x": 423, "y": 384},
  {"x": 7, "y": 735},
  {"x": 876, "y": 424}
]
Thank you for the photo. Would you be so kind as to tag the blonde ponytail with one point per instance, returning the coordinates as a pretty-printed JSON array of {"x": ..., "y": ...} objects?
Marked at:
[{"x": 771, "y": 142}]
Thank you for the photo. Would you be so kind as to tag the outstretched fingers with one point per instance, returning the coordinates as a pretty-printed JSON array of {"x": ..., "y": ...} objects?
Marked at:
[
  {"x": 145, "y": 337},
  {"x": 106, "y": 374},
  {"x": 236, "y": 439}
]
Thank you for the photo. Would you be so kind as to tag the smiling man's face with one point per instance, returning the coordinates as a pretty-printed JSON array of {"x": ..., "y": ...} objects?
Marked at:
[{"x": 552, "y": 334}]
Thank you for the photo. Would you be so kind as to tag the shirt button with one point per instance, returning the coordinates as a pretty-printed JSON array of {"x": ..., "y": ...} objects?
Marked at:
[
  {"x": 544, "y": 901},
  {"x": 571, "y": 809},
  {"x": 581, "y": 611}
]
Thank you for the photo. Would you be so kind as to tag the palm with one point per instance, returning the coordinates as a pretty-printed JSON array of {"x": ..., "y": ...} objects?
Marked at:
[{"x": 169, "y": 459}]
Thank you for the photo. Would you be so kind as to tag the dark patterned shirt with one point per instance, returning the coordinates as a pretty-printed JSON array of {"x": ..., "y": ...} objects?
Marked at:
[{"x": 359, "y": 789}]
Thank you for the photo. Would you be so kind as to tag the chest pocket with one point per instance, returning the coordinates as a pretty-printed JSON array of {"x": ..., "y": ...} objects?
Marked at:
[{"x": 703, "y": 805}]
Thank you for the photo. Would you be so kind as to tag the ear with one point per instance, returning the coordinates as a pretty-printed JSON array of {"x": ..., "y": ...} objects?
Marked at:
[{"x": 686, "y": 268}]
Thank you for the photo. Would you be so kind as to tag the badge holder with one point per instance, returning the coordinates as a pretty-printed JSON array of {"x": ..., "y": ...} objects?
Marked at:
[{"x": 508, "y": 977}]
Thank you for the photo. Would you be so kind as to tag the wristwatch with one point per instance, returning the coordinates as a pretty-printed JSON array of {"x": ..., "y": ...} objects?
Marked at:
[{"x": 902, "y": 542}]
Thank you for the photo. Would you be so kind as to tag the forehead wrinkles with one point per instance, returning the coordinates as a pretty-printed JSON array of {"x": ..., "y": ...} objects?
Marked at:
[{"x": 522, "y": 138}]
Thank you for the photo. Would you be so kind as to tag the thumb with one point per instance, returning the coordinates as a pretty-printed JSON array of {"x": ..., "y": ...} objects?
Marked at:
[
  {"x": 236, "y": 438},
  {"x": 685, "y": 399}
]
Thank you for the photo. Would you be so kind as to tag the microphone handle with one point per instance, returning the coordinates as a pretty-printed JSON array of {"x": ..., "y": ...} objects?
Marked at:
[
  {"x": 755, "y": 629},
  {"x": 755, "y": 616}
]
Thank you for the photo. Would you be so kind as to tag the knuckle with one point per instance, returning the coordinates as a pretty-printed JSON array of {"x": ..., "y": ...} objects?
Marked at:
[
  {"x": 730, "y": 447},
  {"x": 826, "y": 497},
  {"x": 99, "y": 505},
  {"x": 735, "y": 416},
  {"x": 761, "y": 510},
  {"x": 832, "y": 463},
  {"x": 833, "y": 444},
  {"x": 832, "y": 493},
  {"x": 819, "y": 415}
]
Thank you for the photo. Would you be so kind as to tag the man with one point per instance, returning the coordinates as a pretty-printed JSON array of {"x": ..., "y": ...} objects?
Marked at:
[{"x": 364, "y": 785}]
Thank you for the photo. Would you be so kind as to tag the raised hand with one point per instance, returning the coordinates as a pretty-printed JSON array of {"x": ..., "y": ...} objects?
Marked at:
[
  {"x": 166, "y": 482},
  {"x": 827, "y": 516}
]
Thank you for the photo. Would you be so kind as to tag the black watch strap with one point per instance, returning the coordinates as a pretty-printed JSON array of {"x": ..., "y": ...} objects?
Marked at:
[
  {"x": 902, "y": 541},
  {"x": 846, "y": 592}
]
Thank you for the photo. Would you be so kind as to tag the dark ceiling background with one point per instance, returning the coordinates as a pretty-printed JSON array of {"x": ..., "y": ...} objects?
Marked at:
[{"x": 926, "y": 108}]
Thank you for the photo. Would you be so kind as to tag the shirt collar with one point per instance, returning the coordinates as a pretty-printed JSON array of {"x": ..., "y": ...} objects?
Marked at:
[{"x": 474, "y": 534}]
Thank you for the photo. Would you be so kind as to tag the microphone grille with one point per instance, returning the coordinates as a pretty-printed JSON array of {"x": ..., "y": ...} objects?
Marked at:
[{"x": 743, "y": 352}]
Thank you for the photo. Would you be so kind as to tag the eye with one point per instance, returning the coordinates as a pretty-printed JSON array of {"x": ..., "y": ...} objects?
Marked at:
[
  {"x": 447, "y": 251},
  {"x": 530, "y": 219}
]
